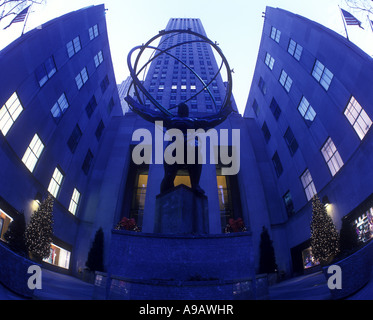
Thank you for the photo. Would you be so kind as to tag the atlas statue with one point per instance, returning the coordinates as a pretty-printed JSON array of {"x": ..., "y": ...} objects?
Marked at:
[{"x": 182, "y": 119}]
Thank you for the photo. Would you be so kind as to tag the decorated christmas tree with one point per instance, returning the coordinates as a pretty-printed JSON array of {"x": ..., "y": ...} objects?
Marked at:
[
  {"x": 324, "y": 235},
  {"x": 39, "y": 231}
]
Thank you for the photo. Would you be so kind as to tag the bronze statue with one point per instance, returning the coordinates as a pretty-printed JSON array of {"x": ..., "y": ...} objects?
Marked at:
[{"x": 182, "y": 122}]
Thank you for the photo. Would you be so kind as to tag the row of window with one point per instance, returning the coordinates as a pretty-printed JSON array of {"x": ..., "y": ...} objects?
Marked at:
[
  {"x": 55, "y": 185},
  {"x": 76, "y": 135},
  {"x": 47, "y": 69},
  {"x": 319, "y": 72},
  {"x": 31, "y": 157},
  {"x": 328, "y": 150},
  {"x": 11, "y": 110},
  {"x": 183, "y": 74},
  {"x": 322, "y": 74},
  {"x": 355, "y": 114}
]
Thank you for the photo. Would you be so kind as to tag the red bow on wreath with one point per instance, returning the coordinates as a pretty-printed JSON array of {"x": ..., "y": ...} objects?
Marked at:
[
  {"x": 127, "y": 224},
  {"x": 235, "y": 225}
]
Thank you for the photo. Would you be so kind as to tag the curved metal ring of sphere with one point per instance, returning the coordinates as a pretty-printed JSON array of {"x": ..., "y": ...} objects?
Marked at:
[
  {"x": 139, "y": 86},
  {"x": 205, "y": 86}
]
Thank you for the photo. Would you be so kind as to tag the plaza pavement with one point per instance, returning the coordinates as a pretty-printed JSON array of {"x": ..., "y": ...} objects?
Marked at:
[{"x": 56, "y": 286}]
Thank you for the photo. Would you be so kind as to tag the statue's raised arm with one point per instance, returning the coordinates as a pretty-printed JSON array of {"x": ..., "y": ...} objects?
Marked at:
[
  {"x": 146, "y": 113},
  {"x": 214, "y": 120},
  {"x": 181, "y": 120}
]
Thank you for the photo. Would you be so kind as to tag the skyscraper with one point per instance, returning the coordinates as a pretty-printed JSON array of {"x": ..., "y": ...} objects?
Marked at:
[
  {"x": 180, "y": 74},
  {"x": 58, "y": 95},
  {"x": 310, "y": 100}
]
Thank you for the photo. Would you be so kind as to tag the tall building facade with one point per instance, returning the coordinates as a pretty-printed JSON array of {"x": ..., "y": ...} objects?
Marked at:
[
  {"x": 310, "y": 99},
  {"x": 123, "y": 91},
  {"x": 58, "y": 93}
]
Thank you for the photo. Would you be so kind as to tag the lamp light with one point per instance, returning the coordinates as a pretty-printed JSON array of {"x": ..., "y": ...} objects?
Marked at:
[
  {"x": 325, "y": 201},
  {"x": 38, "y": 198}
]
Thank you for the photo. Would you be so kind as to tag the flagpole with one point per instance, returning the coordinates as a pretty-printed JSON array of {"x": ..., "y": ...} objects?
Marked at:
[
  {"x": 24, "y": 25},
  {"x": 370, "y": 22},
  {"x": 344, "y": 22}
]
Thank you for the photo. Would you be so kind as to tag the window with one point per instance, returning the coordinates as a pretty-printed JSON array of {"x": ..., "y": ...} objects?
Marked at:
[
  {"x": 98, "y": 58},
  {"x": 91, "y": 106},
  {"x": 55, "y": 183},
  {"x": 275, "y": 34},
  {"x": 110, "y": 105},
  {"x": 255, "y": 107},
  {"x": 358, "y": 118},
  {"x": 74, "y": 139},
  {"x": 99, "y": 130},
  {"x": 262, "y": 86},
  {"x": 33, "y": 152},
  {"x": 265, "y": 130},
  {"x": 291, "y": 141},
  {"x": 225, "y": 199},
  {"x": 295, "y": 49},
  {"x": 306, "y": 110},
  {"x": 9, "y": 113},
  {"x": 288, "y": 202},
  {"x": 45, "y": 71},
  {"x": 58, "y": 257},
  {"x": 93, "y": 32},
  {"x": 285, "y": 81},
  {"x": 322, "y": 74},
  {"x": 139, "y": 195},
  {"x": 363, "y": 224},
  {"x": 275, "y": 108},
  {"x": 59, "y": 107},
  {"x": 81, "y": 78},
  {"x": 74, "y": 201},
  {"x": 87, "y": 162},
  {"x": 269, "y": 61},
  {"x": 5, "y": 221},
  {"x": 309, "y": 259},
  {"x": 308, "y": 185},
  {"x": 277, "y": 164},
  {"x": 331, "y": 156},
  {"x": 104, "y": 84},
  {"x": 73, "y": 46}
]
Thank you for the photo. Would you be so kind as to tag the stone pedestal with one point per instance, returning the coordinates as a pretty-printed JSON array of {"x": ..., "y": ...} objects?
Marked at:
[
  {"x": 181, "y": 211},
  {"x": 147, "y": 266},
  {"x": 180, "y": 259}
]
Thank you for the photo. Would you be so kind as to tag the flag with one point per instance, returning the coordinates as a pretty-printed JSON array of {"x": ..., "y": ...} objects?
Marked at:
[
  {"x": 20, "y": 17},
  {"x": 350, "y": 19}
]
